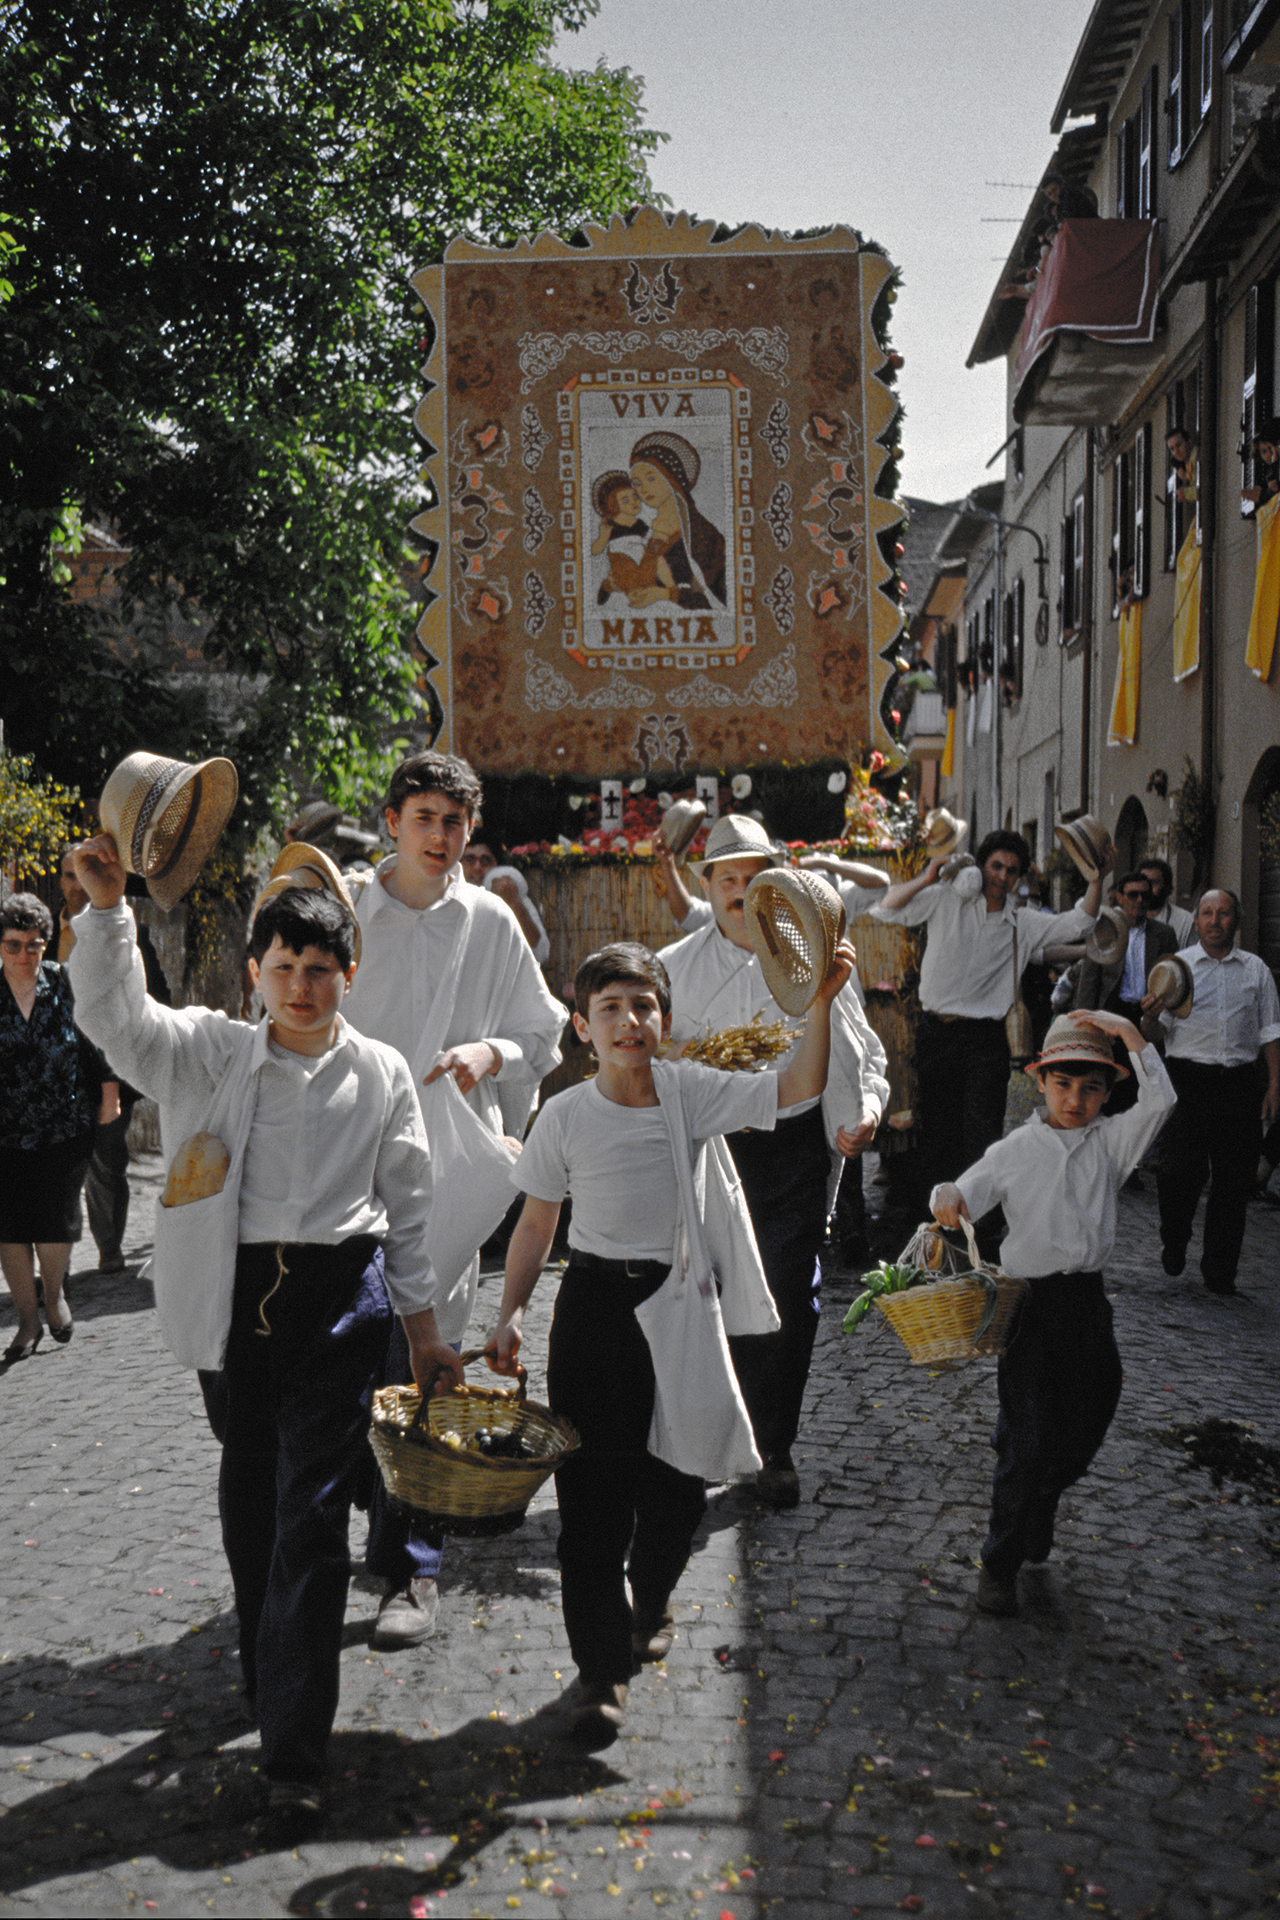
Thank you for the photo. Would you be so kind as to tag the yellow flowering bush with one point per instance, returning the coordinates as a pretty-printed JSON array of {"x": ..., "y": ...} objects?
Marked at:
[{"x": 37, "y": 816}]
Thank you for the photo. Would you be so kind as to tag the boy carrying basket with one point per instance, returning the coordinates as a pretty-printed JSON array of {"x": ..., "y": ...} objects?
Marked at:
[
  {"x": 273, "y": 1277},
  {"x": 1057, "y": 1178},
  {"x": 638, "y": 1359}
]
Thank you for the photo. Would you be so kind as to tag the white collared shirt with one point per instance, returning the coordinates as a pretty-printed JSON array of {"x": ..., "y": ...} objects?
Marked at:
[
  {"x": 1058, "y": 1186},
  {"x": 1235, "y": 1010},
  {"x": 967, "y": 968},
  {"x": 1182, "y": 922},
  {"x": 500, "y": 995},
  {"x": 716, "y": 985},
  {"x": 341, "y": 1149},
  {"x": 1133, "y": 981}
]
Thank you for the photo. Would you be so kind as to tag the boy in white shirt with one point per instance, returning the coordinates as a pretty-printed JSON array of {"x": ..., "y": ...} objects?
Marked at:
[
  {"x": 611, "y": 1144},
  {"x": 288, "y": 1318},
  {"x": 1057, "y": 1178}
]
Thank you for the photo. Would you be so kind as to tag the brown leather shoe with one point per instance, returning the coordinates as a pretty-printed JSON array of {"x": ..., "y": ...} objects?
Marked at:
[
  {"x": 996, "y": 1596},
  {"x": 596, "y": 1719},
  {"x": 651, "y": 1639}
]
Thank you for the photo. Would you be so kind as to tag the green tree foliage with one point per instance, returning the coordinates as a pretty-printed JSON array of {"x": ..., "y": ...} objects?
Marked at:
[{"x": 212, "y": 346}]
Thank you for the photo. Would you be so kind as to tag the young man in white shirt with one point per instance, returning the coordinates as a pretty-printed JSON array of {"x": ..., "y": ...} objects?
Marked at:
[
  {"x": 611, "y": 1144},
  {"x": 327, "y": 1153},
  {"x": 1213, "y": 1057},
  {"x": 967, "y": 986},
  {"x": 716, "y": 982},
  {"x": 448, "y": 978},
  {"x": 1057, "y": 1178}
]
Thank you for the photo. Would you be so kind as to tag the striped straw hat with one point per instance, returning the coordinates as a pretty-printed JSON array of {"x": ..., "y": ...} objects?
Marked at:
[{"x": 166, "y": 817}]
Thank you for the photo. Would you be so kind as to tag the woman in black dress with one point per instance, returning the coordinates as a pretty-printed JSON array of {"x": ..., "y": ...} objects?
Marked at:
[{"x": 55, "y": 1086}]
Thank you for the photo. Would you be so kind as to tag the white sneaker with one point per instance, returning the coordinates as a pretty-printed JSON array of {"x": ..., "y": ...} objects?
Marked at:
[{"x": 406, "y": 1615}]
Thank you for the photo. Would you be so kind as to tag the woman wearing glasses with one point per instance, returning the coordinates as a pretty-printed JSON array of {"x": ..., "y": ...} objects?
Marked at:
[{"x": 55, "y": 1085}]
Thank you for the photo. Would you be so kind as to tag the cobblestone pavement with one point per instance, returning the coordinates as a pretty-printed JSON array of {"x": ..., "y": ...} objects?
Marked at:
[{"x": 836, "y": 1730}]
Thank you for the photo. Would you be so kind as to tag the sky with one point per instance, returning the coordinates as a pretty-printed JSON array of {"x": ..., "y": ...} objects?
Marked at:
[{"x": 891, "y": 116}]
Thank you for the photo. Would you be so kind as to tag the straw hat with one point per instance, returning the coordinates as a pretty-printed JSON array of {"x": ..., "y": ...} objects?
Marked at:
[
  {"x": 303, "y": 866},
  {"x": 1086, "y": 840},
  {"x": 735, "y": 836},
  {"x": 1068, "y": 1040},
  {"x": 943, "y": 833},
  {"x": 1172, "y": 979},
  {"x": 794, "y": 920},
  {"x": 1108, "y": 937},
  {"x": 165, "y": 817},
  {"x": 680, "y": 823}
]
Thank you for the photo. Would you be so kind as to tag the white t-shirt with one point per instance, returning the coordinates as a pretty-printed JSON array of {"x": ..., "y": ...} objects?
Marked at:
[{"x": 615, "y": 1162}]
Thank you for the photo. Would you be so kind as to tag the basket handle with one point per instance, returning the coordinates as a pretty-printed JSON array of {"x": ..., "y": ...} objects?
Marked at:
[{"x": 522, "y": 1376}]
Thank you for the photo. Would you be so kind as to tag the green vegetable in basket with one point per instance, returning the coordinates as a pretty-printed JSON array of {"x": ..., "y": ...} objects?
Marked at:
[
  {"x": 991, "y": 1287},
  {"x": 886, "y": 1278}
]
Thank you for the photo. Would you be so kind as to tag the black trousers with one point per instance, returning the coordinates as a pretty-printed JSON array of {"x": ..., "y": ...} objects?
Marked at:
[
  {"x": 291, "y": 1408},
  {"x": 106, "y": 1186},
  {"x": 1059, "y": 1385},
  {"x": 1214, "y": 1132},
  {"x": 963, "y": 1070},
  {"x": 624, "y": 1516},
  {"x": 784, "y": 1177}
]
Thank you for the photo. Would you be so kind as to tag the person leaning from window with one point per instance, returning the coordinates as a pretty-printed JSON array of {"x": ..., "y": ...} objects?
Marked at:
[
  {"x": 56, "y": 1086},
  {"x": 1265, "y": 447}
]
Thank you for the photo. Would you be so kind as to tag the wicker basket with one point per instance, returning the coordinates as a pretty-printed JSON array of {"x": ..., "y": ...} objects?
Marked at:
[
  {"x": 462, "y": 1492},
  {"x": 940, "y": 1321}
]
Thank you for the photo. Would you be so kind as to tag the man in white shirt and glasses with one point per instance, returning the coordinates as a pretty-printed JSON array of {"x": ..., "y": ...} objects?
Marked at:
[
  {"x": 967, "y": 986},
  {"x": 1213, "y": 1059}
]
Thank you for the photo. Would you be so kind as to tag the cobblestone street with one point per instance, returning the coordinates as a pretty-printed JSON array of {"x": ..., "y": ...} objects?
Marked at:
[{"x": 836, "y": 1731}]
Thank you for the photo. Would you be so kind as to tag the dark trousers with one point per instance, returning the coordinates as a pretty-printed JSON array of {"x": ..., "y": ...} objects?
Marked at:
[
  {"x": 292, "y": 1411},
  {"x": 784, "y": 1178},
  {"x": 397, "y": 1550},
  {"x": 621, "y": 1510},
  {"x": 1059, "y": 1385},
  {"x": 1215, "y": 1131},
  {"x": 106, "y": 1187},
  {"x": 963, "y": 1073}
]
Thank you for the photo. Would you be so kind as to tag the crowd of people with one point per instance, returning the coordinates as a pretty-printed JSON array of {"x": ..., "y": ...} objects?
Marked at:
[{"x": 346, "y": 1154}]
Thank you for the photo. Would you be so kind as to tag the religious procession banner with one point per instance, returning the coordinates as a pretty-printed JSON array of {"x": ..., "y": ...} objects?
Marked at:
[
  {"x": 654, "y": 459},
  {"x": 1123, "y": 730},
  {"x": 1186, "y": 608},
  {"x": 1265, "y": 615}
]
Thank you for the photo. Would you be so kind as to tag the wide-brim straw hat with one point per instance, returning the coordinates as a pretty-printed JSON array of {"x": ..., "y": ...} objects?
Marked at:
[
  {"x": 1069, "y": 1041},
  {"x": 1172, "y": 980},
  {"x": 680, "y": 824},
  {"x": 794, "y": 920},
  {"x": 1108, "y": 937},
  {"x": 166, "y": 817},
  {"x": 943, "y": 833},
  {"x": 1086, "y": 840},
  {"x": 301, "y": 865},
  {"x": 735, "y": 836}
]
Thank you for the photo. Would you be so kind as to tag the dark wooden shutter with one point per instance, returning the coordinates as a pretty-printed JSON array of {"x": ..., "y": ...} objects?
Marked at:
[
  {"x": 1172, "y": 513},
  {"x": 1142, "y": 511},
  {"x": 1204, "y": 30},
  {"x": 1019, "y": 634},
  {"x": 1077, "y": 561},
  {"x": 1116, "y": 490},
  {"x": 1146, "y": 160},
  {"x": 1174, "y": 99},
  {"x": 1259, "y": 348},
  {"x": 1065, "y": 610}
]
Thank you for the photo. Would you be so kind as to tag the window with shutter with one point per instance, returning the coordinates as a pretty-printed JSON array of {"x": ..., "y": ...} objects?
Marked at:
[
  {"x": 1127, "y": 169},
  {"x": 1259, "y": 353},
  {"x": 1066, "y": 577},
  {"x": 1173, "y": 105},
  {"x": 1077, "y": 561},
  {"x": 1019, "y": 634},
  {"x": 1121, "y": 526},
  {"x": 1172, "y": 506},
  {"x": 1205, "y": 36}
]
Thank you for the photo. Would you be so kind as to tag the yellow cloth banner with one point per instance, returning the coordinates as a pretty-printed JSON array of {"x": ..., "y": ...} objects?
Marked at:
[
  {"x": 1266, "y": 592},
  {"x": 1123, "y": 730},
  {"x": 1186, "y": 608},
  {"x": 948, "y": 766}
]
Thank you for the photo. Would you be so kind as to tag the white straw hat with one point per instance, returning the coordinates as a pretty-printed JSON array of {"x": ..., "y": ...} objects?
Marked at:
[
  {"x": 735, "y": 836},
  {"x": 794, "y": 920},
  {"x": 943, "y": 833},
  {"x": 1109, "y": 936},
  {"x": 165, "y": 817},
  {"x": 1086, "y": 840},
  {"x": 680, "y": 824},
  {"x": 1172, "y": 979}
]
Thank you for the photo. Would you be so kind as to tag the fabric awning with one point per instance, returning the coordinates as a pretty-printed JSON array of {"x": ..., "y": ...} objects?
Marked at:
[{"x": 1100, "y": 278}]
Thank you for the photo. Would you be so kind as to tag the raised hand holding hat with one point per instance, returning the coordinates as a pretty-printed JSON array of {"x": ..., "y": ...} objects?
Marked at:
[{"x": 166, "y": 817}]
